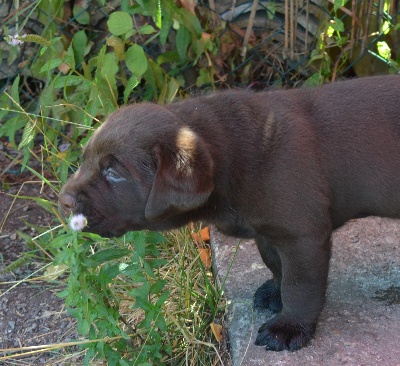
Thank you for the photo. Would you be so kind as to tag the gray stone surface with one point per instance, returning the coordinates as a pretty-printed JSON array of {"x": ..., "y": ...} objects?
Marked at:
[{"x": 354, "y": 328}]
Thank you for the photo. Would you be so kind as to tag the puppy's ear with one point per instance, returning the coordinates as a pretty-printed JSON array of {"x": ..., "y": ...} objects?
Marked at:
[{"x": 184, "y": 176}]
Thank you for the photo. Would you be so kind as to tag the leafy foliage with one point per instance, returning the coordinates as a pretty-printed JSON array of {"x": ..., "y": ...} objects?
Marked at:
[{"x": 114, "y": 288}]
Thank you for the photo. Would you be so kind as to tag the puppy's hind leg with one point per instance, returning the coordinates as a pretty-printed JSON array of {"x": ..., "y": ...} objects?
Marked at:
[{"x": 268, "y": 295}]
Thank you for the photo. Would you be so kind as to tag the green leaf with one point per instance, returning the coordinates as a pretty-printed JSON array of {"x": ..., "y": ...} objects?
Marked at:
[
  {"x": 10, "y": 127},
  {"x": 68, "y": 80},
  {"x": 60, "y": 241},
  {"x": 162, "y": 299},
  {"x": 120, "y": 23},
  {"x": 107, "y": 255},
  {"x": 108, "y": 70},
  {"x": 140, "y": 243},
  {"x": 182, "y": 42},
  {"x": 28, "y": 135},
  {"x": 169, "y": 56},
  {"x": 141, "y": 292},
  {"x": 136, "y": 60},
  {"x": 204, "y": 77},
  {"x": 169, "y": 10},
  {"x": 338, "y": 4},
  {"x": 384, "y": 50},
  {"x": 191, "y": 22},
  {"x": 160, "y": 323},
  {"x": 132, "y": 83},
  {"x": 81, "y": 15},
  {"x": 69, "y": 57},
  {"x": 337, "y": 24},
  {"x": 15, "y": 90},
  {"x": 147, "y": 29},
  {"x": 79, "y": 43},
  {"x": 50, "y": 65},
  {"x": 157, "y": 287}
]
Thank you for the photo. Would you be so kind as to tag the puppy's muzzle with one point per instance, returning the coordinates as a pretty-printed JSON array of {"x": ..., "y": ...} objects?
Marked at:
[{"x": 67, "y": 203}]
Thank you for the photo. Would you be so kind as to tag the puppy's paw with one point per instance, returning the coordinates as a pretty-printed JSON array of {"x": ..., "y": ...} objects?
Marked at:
[
  {"x": 279, "y": 334},
  {"x": 268, "y": 297}
]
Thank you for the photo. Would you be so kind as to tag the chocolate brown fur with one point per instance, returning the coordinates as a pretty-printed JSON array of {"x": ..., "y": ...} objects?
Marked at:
[{"x": 283, "y": 167}]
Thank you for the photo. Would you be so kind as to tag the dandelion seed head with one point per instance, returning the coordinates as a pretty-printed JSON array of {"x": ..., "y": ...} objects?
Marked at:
[{"x": 78, "y": 222}]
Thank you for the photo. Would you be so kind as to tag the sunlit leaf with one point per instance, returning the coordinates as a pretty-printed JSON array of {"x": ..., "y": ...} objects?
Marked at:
[{"x": 119, "y": 23}]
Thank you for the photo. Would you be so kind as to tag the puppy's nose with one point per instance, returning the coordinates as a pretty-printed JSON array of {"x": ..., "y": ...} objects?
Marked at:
[{"x": 67, "y": 202}]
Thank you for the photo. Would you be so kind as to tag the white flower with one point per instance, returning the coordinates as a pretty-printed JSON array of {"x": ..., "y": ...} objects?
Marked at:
[
  {"x": 15, "y": 40},
  {"x": 78, "y": 222}
]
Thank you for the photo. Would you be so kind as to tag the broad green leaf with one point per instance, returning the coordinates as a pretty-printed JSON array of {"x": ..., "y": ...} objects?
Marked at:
[
  {"x": 384, "y": 50},
  {"x": 337, "y": 24},
  {"x": 50, "y": 65},
  {"x": 61, "y": 241},
  {"x": 120, "y": 23},
  {"x": 147, "y": 29},
  {"x": 68, "y": 80},
  {"x": 136, "y": 60},
  {"x": 338, "y": 4},
  {"x": 81, "y": 15},
  {"x": 191, "y": 22},
  {"x": 79, "y": 43},
  {"x": 109, "y": 68}
]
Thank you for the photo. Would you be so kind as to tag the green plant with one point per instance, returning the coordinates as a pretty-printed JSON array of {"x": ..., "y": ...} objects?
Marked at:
[
  {"x": 139, "y": 300},
  {"x": 345, "y": 36},
  {"x": 101, "y": 274},
  {"x": 83, "y": 84},
  {"x": 116, "y": 289}
]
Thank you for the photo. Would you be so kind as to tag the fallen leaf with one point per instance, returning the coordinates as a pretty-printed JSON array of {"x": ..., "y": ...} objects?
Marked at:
[
  {"x": 205, "y": 257},
  {"x": 217, "y": 331},
  {"x": 54, "y": 271},
  {"x": 205, "y": 233}
]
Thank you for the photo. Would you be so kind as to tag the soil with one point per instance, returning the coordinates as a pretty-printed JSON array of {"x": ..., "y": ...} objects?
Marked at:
[{"x": 30, "y": 312}]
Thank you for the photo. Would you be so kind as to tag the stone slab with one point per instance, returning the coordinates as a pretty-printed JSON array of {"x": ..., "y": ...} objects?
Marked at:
[{"x": 355, "y": 328}]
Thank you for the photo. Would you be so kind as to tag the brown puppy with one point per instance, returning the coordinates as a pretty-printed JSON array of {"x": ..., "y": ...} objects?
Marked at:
[{"x": 283, "y": 167}]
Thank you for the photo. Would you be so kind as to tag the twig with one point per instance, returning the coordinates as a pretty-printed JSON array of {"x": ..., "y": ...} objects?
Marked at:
[{"x": 249, "y": 29}]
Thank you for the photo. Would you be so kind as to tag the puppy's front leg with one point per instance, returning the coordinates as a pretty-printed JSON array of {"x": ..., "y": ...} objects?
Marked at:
[
  {"x": 268, "y": 295},
  {"x": 305, "y": 263}
]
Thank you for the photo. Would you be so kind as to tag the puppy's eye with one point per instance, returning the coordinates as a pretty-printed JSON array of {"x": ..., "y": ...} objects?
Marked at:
[{"x": 111, "y": 175}]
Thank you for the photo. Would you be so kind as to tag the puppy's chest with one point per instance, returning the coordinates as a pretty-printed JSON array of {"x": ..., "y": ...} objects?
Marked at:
[{"x": 232, "y": 224}]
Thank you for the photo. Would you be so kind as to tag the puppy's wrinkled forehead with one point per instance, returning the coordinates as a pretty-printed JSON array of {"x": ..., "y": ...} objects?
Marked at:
[{"x": 127, "y": 127}]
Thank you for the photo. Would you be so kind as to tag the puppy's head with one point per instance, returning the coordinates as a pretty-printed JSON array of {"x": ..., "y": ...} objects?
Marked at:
[{"x": 141, "y": 169}]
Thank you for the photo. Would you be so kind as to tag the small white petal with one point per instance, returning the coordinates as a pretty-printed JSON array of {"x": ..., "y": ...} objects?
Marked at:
[{"x": 78, "y": 222}]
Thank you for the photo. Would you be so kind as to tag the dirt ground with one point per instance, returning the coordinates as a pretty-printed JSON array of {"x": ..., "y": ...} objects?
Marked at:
[{"x": 30, "y": 312}]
